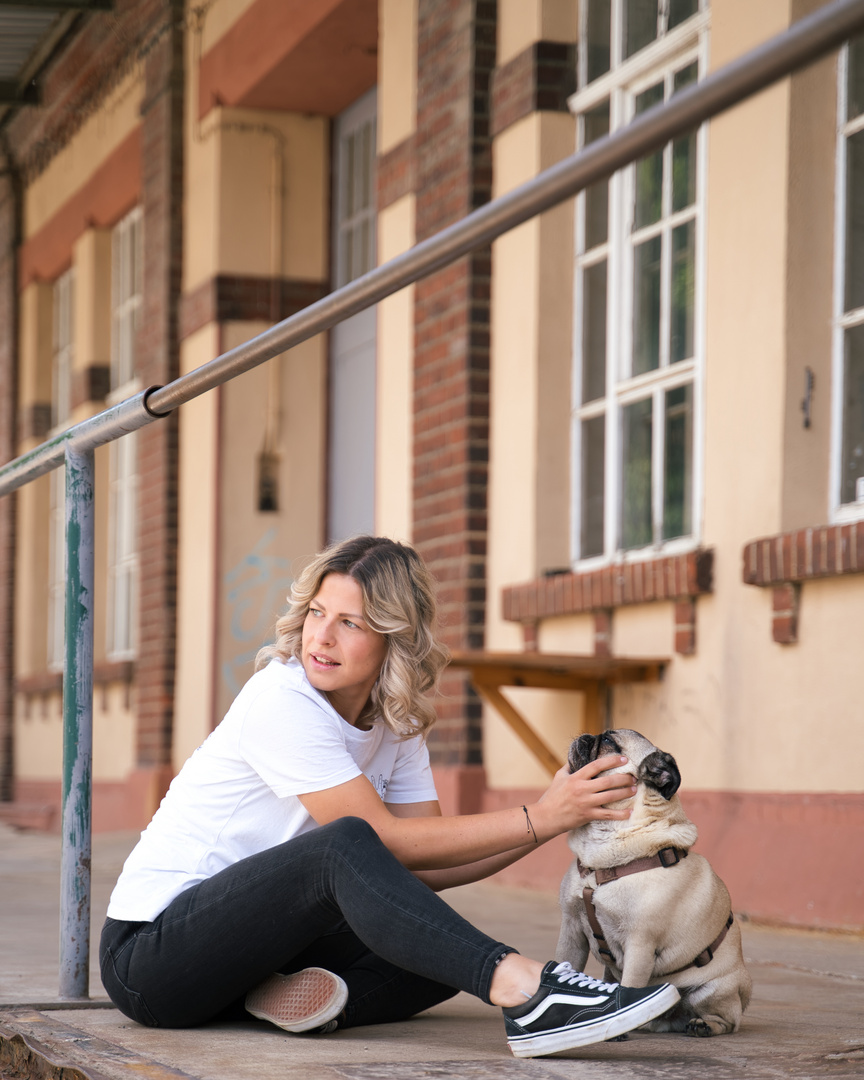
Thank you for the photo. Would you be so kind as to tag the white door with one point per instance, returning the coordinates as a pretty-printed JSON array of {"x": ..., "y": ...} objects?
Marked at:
[{"x": 351, "y": 499}]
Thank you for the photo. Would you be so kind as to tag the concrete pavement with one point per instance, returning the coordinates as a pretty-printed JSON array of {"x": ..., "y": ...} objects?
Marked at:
[{"x": 806, "y": 1018}]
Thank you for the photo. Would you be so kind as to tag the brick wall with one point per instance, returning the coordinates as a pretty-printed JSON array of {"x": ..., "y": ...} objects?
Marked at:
[
  {"x": 157, "y": 362},
  {"x": 453, "y": 170}
]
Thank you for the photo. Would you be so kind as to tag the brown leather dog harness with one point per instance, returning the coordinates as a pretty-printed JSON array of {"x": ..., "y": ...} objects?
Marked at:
[{"x": 664, "y": 858}]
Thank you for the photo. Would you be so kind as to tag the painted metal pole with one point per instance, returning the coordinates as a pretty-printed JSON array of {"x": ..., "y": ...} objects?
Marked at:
[{"x": 77, "y": 726}]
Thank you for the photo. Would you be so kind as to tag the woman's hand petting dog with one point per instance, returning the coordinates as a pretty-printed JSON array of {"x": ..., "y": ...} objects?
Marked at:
[{"x": 574, "y": 799}]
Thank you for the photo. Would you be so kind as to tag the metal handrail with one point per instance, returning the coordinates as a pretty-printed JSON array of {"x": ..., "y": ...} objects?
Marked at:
[{"x": 805, "y": 42}]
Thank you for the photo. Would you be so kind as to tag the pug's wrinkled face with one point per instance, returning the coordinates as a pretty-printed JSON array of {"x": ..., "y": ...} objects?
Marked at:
[{"x": 650, "y": 766}]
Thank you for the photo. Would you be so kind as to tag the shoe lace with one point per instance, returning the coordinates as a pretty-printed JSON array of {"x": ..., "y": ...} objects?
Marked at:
[{"x": 565, "y": 974}]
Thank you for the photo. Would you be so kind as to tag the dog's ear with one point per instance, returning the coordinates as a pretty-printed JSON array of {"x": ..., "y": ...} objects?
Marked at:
[
  {"x": 589, "y": 747},
  {"x": 660, "y": 771},
  {"x": 582, "y": 750}
]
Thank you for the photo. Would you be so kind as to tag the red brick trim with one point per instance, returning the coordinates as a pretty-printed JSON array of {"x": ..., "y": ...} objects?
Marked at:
[
  {"x": 396, "y": 172},
  {"x": 43, "y": 682},
  {"x": 540, "y": 79},
  {"x": 671, "y": 577},
  {"x": 90, "y": 384},
  {"x": 784, "y": 613},
  {"x": 804, "y": 555},
  {"x": 785, "y": 561},
  {"x": 603, "y": 632},
  {"x": 50, "y": 682},
  {"x": 685, "y": 626},
  {"x": 244, "y": 298},
  {"x": 34, "y": 421}
]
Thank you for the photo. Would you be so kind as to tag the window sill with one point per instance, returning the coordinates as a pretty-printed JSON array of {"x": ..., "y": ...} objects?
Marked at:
[
  {"x": 678, "y": 578},
  {"x": 783, "y": 562},
  {"x": 45, "y": 683}
]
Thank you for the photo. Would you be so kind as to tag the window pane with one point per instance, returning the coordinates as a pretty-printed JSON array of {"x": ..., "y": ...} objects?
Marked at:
[
  {"x": 855, "y": 79},
  {"x": 684, "y": 150},
  {"x": 597, "y": 196},
  {"x": 646, "y": 306},
  {"x": 679, "y": 10},
  {"x": 683, "y": 292},
  {"x": 640, "y": 25},
  {"x": 636, "y": 437},
  {"x": 594, "y": 332},
  {"x": 593, "y": 469},
  {"x": 349, "y": 174},
  {"x": 598, "y": 37},
  {"x": 852, "y": 461},
  {"x": 649, "y": 171},
  {"x": 854, "y": 221},
  {"x": 677, "y": 465}
]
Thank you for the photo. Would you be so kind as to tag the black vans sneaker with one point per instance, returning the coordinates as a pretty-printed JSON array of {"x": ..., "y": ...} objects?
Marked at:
[{"x": 571, "y": 1009}]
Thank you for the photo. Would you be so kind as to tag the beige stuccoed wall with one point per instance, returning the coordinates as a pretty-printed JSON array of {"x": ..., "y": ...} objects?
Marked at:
[
  {"x": 394, "y": 383},
  {"x": 237, "y": 158},
  {"x": 218, "y": 18},
  {"x": 740, "y": 714},
  {"x": 256, "y": 203},
  {"x": 529, "y": 425},
  {"x": 39, "y": 736},
  {"x": 31, "y": 557},
  {"x": 260, "y": 553},
  {"x": 397, "y": 107},
  {"x": 397, "y": 72},
  {"x": 196, "y": 554},
  {"x": 38, "y": 718},
  {"x": 99, "y": 136},
  {"x": 236, "y": 563},
  {"x": 812, "y": 144},
  {"x": 254, "y": 148},
  {"x": 522, "y": 22}
]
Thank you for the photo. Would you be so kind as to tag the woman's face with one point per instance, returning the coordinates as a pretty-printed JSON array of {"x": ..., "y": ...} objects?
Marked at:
[{"x": 341, "y": 654}]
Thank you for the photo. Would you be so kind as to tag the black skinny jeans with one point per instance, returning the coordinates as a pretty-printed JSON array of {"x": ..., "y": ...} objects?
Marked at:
[{"x": 334, "y": 898}]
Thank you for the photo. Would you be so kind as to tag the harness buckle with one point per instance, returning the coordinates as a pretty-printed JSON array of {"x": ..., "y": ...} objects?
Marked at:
[{"x": 670, "y": 856}]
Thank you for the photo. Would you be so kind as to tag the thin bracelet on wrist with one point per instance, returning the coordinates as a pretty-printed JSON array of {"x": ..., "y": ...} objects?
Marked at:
[{"x": 530, "y": 826}]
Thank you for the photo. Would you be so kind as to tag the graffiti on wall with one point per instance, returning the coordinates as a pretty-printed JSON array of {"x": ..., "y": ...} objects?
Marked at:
[{"x": 254, "y": 592}]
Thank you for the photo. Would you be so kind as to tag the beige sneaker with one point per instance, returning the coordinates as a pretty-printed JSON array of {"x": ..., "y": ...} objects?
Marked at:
[{"x": 310, "y": 1000}]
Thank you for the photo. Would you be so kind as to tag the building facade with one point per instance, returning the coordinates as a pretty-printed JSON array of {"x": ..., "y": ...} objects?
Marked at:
[{"x": 633, "y": 427}]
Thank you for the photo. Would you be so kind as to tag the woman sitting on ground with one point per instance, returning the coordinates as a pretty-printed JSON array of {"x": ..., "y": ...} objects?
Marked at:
[{"x": 291, "y": 871}]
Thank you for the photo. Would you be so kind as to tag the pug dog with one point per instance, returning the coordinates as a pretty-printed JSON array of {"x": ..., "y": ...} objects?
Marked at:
[{"x": 659, "y": 912}]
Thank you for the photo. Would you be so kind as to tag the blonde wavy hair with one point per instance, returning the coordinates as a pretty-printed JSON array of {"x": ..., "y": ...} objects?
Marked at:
[{"x": 398, "y": 602}]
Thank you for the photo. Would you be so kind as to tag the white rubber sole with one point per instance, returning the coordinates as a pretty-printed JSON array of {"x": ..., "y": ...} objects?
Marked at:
[
  {"x": 607, "y": 1027},
  {"x": 300, "y": 1002}
]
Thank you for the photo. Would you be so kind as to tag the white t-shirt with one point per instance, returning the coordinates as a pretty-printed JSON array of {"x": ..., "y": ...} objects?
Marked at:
[{"x": 237, "y": 793}]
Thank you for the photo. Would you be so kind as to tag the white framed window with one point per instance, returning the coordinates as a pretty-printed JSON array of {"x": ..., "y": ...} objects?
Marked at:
[
  {"x": 354, "y": 210},
  {"x": 847, "y": 426},
  {"x": 353, "y": 348},
  {"x": 62, "y": 364},
  {"x": 123, "y": 557},
  {"x": 127, "y": 269},
  {"x": 638, "y": 336}
]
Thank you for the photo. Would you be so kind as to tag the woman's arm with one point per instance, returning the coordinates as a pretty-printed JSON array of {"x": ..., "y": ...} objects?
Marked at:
[
  {"x": 439, "y": 880},
  {"x": 432, "y": 842}
]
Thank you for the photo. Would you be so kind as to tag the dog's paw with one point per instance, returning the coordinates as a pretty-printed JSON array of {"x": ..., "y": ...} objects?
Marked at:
[
  {"x": 619, "y": 1038},
  {"x": 698, "y": 1027}
]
